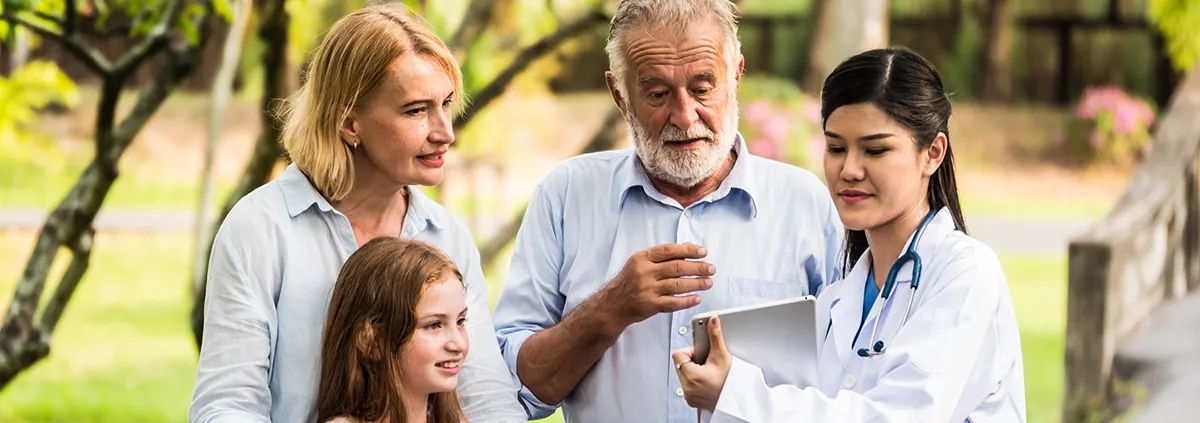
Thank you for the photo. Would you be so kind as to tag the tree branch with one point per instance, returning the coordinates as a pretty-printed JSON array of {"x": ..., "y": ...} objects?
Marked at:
[
  {"x": 69, "y": 17},
  {"x": 478, "y": 14},
  {"x": 48, "y": 17},
  {"x": 81, "y": 254},
  {"x": 525, "y": 58},
  {"x": 180, "y": 62},
  {"x": 604, "y": 139},
  {"x": 90, "y": 56},
  {"x": 155, "y": 41}
]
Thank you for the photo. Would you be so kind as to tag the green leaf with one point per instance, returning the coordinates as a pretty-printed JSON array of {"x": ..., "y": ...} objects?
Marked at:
[
  {"x": 187, "y": 22},
  {"x": 222, "y": 8},
  {"x": 1179, "y": 21},
  {"x": 36, "y": 85}
]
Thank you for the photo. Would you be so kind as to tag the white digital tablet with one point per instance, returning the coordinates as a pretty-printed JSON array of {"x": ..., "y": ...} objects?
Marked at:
[{"x": 780, "y": 337}]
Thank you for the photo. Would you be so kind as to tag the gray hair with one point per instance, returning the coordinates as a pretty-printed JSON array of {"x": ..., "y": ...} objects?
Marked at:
[{"x": 669, "y": 14}]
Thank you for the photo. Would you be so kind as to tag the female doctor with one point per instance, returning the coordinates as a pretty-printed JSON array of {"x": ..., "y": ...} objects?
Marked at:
[{"x": 940, "y": 343}]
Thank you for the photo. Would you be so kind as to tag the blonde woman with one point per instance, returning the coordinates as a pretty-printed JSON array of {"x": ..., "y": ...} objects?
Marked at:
[{"x": 373, "y": 118}]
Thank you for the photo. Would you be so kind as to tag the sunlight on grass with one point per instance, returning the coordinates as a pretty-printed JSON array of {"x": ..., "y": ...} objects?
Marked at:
[
  {"x": 123, "y": 350},
  {"x": 1038, "y": 285},
  {"x": 987, "y": 204}
]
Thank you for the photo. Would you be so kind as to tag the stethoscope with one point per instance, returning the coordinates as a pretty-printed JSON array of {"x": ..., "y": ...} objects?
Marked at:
[{"x": 910, "y": 255}]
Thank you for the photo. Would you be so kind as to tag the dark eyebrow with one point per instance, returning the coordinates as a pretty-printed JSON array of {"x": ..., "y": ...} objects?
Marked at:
[
  {"x": 872, "y": 137},
  {"x": 705, "y": 77},
  {"x": 439, "y": 316}
]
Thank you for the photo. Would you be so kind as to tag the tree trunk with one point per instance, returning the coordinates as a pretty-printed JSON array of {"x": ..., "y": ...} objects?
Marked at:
[
  {"x": 23, "y": 341},
  {"x": 273, "y": 32},
  {"x": 997, "y": 53},
  {"x": 475, "y": 20},
  {"x": 846, "y": 28},
  {"x": 818, "y": 45},
  {"x": 221, "y": 90}
]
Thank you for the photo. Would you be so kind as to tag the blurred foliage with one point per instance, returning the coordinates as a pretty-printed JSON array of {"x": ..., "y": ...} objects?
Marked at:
[
  {"x": 1179, "y": 21},
  {"x": 27, "y": 90}
]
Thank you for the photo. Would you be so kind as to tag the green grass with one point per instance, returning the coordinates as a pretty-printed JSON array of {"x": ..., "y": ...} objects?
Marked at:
[
  {"x": 986, "y": 204},
  {"x": 123, "y": 351},
  {"x": 38, "y": 176}
]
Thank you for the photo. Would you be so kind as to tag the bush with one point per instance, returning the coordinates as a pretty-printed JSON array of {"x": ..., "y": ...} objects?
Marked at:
[
  {"x": 1111, "y": 126},
  {"x": 780, "y": 122}
]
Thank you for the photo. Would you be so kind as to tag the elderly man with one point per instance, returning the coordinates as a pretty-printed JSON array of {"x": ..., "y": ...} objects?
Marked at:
[{"x": 619, "y": 249}]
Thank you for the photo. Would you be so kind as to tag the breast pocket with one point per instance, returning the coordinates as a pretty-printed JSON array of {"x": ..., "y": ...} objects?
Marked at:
[{"x": 746, "y": 291}]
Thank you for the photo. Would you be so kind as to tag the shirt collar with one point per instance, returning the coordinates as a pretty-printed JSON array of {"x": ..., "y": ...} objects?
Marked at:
[
  {"x": 740, "y": 178},
  {"x": 300, "y": 195}
]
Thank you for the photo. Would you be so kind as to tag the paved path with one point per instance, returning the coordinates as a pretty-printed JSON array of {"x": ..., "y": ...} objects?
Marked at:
[
  {"x": 1164, "y": 357},
  {"x": 1006, "y": 235}
]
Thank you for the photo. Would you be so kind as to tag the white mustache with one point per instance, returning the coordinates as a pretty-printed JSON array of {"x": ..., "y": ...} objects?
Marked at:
[{"x": 671, "y": 133}]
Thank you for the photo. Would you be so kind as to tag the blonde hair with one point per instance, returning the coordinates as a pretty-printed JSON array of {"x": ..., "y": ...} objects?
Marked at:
[{"x": 349, "y": 66}]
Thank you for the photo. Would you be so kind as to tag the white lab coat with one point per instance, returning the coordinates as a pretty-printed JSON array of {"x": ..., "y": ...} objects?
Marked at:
[{"x": 958, "y": 358}]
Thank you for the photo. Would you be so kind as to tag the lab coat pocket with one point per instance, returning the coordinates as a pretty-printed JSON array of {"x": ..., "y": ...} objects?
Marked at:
[
  {"x": 746, "y": 291},
  {"x": 929, "y": 335}
]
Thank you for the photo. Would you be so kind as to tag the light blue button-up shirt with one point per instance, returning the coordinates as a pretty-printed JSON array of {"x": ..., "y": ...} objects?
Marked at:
[
  {"x": 770, "y": 229},
  {"x": 274, "y": 263}
]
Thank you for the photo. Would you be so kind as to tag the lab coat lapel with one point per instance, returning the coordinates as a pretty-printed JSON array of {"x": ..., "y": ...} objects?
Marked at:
[
  {"x": 846, "y": 311},
  {"x": 941, "y": 226}
]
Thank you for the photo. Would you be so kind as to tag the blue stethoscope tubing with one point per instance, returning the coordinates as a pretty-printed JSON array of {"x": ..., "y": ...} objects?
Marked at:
[{"x": 910, "y": 255}]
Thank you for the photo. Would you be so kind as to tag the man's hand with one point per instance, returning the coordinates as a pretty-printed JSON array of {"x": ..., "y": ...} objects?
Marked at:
[
  {"x": 702, "y": 384},
  {"x": 652, "y": 278}
]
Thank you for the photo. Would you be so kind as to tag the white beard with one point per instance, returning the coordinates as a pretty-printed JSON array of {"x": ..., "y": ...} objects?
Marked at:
[{"x": 684, "y": 168}]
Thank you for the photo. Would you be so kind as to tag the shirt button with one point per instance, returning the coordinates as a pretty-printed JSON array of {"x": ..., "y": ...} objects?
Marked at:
[
  {"x": 687, "y": 212},
  {"x": 848, "y": 382},
  {"x": 683, "y": 330},
  {"x": 679, "y": 392}
]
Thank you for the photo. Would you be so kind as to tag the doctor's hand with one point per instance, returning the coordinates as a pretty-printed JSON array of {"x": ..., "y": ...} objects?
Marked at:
[
  {"x": 702, "y": 384},
  {"x": 649, "y": 282}
]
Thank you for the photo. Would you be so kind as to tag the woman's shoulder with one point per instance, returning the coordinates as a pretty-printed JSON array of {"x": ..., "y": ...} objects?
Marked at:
[{"x": 965, "y": 262}]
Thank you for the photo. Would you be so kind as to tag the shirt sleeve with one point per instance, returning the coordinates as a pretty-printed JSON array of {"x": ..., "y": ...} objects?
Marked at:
[
  {"x": 486, "y": 387},
  {"x": 239, "y": 323},
  {"x": 531, "y": 300},
  {"x": 835, "y": 242}
]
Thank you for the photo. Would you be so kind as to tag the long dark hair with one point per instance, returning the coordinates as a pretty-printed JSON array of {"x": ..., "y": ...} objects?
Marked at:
[
  {"x": 372, "y": 314},
  {"x": 906, "y": 87}
]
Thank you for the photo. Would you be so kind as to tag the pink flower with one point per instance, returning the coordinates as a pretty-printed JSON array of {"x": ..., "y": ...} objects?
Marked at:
[
  {"x": 811, "y": 110},
  {"x": 756, "y": 112},
  {"x": 816, "y": 147},
  {"x": 765, "y": 148},
  {"x": 775, "y": 128}
]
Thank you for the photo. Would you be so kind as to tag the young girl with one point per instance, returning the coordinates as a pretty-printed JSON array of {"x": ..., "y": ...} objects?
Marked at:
[
  {"x": 921, "y": 328},
  {"x": 394, "y": 338}
]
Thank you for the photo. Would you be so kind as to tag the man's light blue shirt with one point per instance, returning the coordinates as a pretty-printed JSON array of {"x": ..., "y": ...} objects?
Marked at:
[
  {"x": 274, "y": 263},
  {"x": 770, "y": 229}
]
